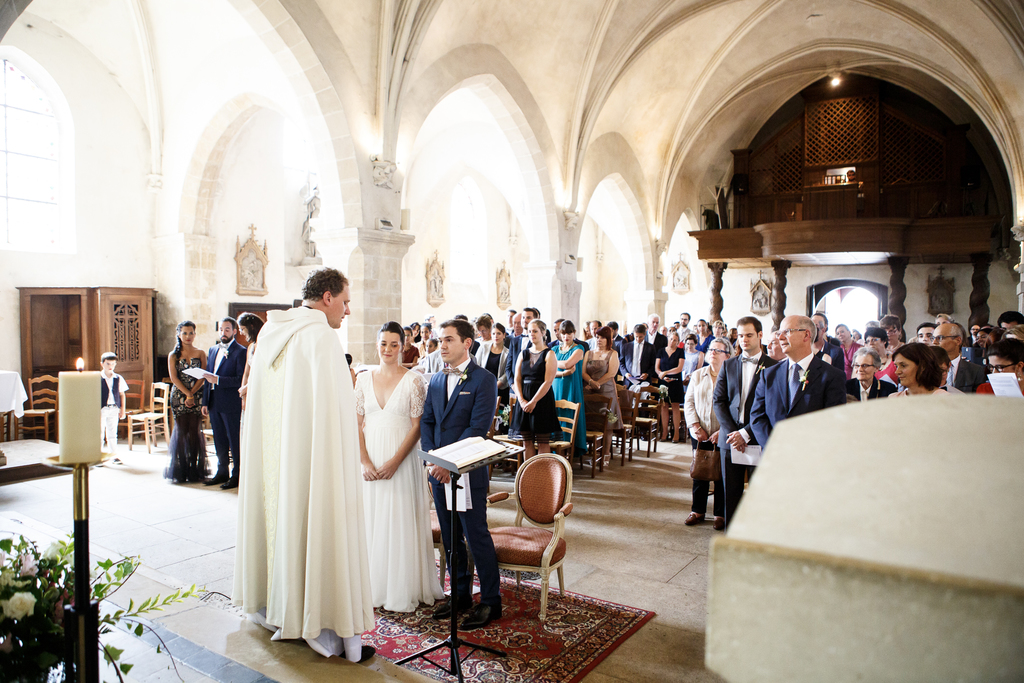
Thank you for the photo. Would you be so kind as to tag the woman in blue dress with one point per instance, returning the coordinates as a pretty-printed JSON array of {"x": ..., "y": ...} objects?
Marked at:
[{"x": 569, "y": 379}]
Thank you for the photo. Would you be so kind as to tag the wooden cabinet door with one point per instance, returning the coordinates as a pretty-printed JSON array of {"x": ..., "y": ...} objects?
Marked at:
[{"x": 126, "y": 328}]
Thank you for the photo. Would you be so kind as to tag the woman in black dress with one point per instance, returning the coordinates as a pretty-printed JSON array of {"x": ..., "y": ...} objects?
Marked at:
[
  {"x": 188, "y": 445},
  {"x": 669, "y": 366},
  {"x": 535, "y": 417}
]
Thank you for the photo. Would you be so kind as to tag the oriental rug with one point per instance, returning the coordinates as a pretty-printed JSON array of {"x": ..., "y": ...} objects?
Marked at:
[{"x": 577, "y": 635}]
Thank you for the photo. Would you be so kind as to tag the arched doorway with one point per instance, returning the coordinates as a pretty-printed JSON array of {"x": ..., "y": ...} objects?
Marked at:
[{"x": 848, "y": 301}]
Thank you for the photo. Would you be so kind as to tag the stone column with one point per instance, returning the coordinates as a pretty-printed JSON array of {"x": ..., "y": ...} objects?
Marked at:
[
  {"x": 897, "y": 288},
  {"x": 781, "y": 268},
  {"x": 717, "y": 268},
  {"x": 639, "y": 305},
  {"x": 186, "y": 282},
  {"x": 543, "y": 289},
  {"x": 372, "y": 261},
  {"x": 980, "y": 289}
]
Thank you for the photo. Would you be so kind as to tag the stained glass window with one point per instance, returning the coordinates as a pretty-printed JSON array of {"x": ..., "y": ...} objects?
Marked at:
[
  {"x": 467, "y": 230},
  {"x": 29, "y": 171}
]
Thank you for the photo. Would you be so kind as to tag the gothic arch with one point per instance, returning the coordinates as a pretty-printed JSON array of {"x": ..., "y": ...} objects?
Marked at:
[{"x": 632, "y": 243}]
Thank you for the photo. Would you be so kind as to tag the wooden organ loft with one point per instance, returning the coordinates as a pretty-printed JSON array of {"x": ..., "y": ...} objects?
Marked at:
[{"x": 858, "y": 177}]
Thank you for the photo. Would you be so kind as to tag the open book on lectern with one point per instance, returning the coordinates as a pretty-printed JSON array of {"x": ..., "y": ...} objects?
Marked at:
[{"x": 468, "y": 451}]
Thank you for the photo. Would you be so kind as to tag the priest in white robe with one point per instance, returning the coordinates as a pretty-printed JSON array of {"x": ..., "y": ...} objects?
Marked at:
[{"x": 301, "y": 567}]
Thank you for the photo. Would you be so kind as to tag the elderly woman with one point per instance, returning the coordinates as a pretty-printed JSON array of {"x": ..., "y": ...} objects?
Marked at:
[
  {"x": 700, "y": 416},
  {"x": 864, "y": 386},
  {"x": 849, "y": 348},
  {"x": 918, "y": 371},
  {"x": 876, "y": 338},
  {"x": 1006, "y": 355}
]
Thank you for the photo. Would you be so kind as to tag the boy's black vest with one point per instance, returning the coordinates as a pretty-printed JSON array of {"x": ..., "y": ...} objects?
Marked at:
[{"x": 105, "y": 391}]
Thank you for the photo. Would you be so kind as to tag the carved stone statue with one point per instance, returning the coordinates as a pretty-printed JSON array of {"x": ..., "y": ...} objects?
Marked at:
[
  {"x": 572, "y": 219},
  {"x": 941, "y": 292},
  {"x": 435, "y": 282},
  {"x": 680, "y": 276},
  {"x": 312, "y": 211},
  {"x": 251, "y": 261},
  {"x": 504, "y": 283},
  {"x": 383, "y": 171},
  {"x": 760, "y": 296}
]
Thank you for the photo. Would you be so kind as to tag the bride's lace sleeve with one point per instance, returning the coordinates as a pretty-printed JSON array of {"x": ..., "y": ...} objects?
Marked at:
[
  {"x": 419, "y": 395},
  {"x": 360, "y": 406}
]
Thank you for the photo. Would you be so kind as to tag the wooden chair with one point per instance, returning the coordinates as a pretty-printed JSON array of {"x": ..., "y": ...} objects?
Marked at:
[
  {"x": 624, "y": 432},
  {"x": 543, "y": 495},
  {"x": 43, "y": 402},
  {"x": 157, "y": 415},
  {"x": 564, "y": 448},
  {"x": 135, "y": 401},
  {"x": 596, "y": 407},
  {"x": 646, "y": 419}
]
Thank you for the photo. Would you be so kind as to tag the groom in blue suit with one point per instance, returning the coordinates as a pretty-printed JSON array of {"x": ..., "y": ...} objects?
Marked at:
[
  {"x": 460, "y": 404},
  {"x": 225, "y": 365},
  {"x": 799, "y": 385}
]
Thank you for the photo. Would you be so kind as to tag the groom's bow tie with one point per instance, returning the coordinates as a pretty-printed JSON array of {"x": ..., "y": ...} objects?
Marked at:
[
  {"x": 449, "y": 370},
  {"x": 748, "y": 359}
]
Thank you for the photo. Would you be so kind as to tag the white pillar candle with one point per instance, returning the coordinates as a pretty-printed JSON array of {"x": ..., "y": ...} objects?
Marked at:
[{"x": 79, "y": 416}]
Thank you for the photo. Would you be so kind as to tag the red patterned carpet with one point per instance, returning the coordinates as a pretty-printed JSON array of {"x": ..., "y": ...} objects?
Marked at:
[{"x": 579, "y": 632}]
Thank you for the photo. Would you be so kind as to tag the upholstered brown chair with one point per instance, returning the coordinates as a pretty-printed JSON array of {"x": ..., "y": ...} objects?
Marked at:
[{"x": 543, "y": 493}]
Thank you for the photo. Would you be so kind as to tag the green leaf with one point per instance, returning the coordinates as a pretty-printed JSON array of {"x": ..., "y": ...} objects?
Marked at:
[
  {"x": 6, "y": 545},
  {"x": 125, "y": 668},
  {"x": 139, "y": 629}
]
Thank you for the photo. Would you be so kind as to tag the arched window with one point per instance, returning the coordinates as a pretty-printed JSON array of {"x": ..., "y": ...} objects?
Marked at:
[
  {"x": 467, "y": 230},
  {"x": 35, "y": 171}
]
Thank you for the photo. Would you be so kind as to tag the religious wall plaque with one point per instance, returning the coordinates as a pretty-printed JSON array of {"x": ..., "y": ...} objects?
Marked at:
[
  {"x": 941, "y": 291},
  {"x": 252, "y": 263},
  {"x": 680, "y": 276},
  {"x": 504, "y": 285},
  {"x": 761, "y": 296},
  {"x": 435, "y": 281}
]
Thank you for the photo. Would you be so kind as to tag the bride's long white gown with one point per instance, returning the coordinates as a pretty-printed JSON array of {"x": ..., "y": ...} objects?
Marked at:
[{"x": 399, "y": 541}]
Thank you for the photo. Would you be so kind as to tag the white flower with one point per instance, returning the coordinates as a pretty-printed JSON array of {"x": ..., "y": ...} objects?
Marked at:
[
  {"x": 20, "y": 605},
  {"x": 6, "y": 578},
  {"x": 28, "y": 565},
  {"x": 53, "y": 552}
]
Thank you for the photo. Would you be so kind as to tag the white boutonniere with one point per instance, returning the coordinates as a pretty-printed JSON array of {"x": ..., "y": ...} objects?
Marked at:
[
  {"x": 803, "y": 379},
  {"x": 463, "y": 377}
]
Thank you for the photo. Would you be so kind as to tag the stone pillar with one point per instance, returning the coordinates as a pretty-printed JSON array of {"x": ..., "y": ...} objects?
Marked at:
[
  {"x": 980, "y": 289},
  {"x": 639, "y": 305},
  {"x": 186, "y": 282},
  {"x": 897, "y": 288},
  {"x": 372, "y": 261},
  {"x": 781, "y": 268},
  {"x": 543, "y": 289},
  {"x": 717, "y": 268}
]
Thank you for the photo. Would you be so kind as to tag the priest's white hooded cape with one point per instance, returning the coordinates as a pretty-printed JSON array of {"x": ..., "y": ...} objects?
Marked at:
[{"x": 301, "y": 551}]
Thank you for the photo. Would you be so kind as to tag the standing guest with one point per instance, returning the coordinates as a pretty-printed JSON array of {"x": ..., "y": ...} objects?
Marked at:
[
  {"x": 519, "y": 343},
  {"x": 188, "y": 445},
  {"x": 848, "y": 346},
  {"x": 802, "y": 385},
  {"x": 1006, "y": 355},
  {"x": 693, "y": 359},
  {"x": 426, "y": 334},
  {"x": 876, "y": 338},
  {"x": 399, "y": 543},
  {"x": 113, "y": 402},
  {"x": 535, "y": 418},
  {"x": 415, "y": 326},
  {"x": 823, "y": 348},
  {"x": 599, "y": 369},
  {"x": 593, "y": 326},
  {"x": 857, "y": 337},
  {"x": 410, "y": 354},
  {"x": 893, "y": 331},
  {"x": 917, "y": 370},
  {"x": 720, "y": 329},
  {"x": 483, "y": 327},
  {"x": 939, "y": 354},
  {"x": 700, "y": 416},
  {"x": 1008, "y": 319},
  {"x": 554, "y": 343},
  {"x": 734, "y": 337},
  {"x": 943, "y": 318},
  {"x": 617, "y": 339},
  {"x": 963, "y": 374},
  {"x": 301, "y": 566},
  {"x": 515, "y": 327},
  {"x": 703, "y": 335},
  {"x": 975, "y": 331},
  {"x": 926, "y": 332},
  {"x": 637, "y": 359},
  {"x": 864, "y": 386},
  {"x": 587, "y": 334},
  {"x": 774, "y": 347},
  {"x": 250, "y": 325},
  {"x": 654, "y": 336},
  {"x": 460, "y": 404},
  {"x": 669, "y": 368},
  {"x": 225, "y": 365},
  {"x": 568, "y": 384},
  {"x": 492, "y": 356},
  {"x": 733, "y": 399},
  {"x": 509, "y": 326},
  {"x": 684, "y": 326}
]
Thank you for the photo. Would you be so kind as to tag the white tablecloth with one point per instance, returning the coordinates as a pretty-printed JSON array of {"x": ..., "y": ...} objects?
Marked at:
[{"x": 12, "y": 393}]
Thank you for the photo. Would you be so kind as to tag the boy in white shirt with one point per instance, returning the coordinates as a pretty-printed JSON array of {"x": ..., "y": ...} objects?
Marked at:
[{"x": 112, "y": 402}]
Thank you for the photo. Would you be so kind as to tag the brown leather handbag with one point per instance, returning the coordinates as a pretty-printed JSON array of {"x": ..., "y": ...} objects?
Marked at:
[{"x": 706, "y": 464}]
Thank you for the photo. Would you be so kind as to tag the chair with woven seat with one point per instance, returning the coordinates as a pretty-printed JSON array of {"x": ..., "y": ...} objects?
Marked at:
[
  {"x": 646, "y": 418},
  {"x": 543, "y": 495},
  {"x": 562, "y": 447},
  {"x": 148, "y": 421},
  {"x": 135, "y": 401},
  {"x": 43, "y": 402},
  {"x": 624, "y": 433},
  {"x": 596, "y": 408}
]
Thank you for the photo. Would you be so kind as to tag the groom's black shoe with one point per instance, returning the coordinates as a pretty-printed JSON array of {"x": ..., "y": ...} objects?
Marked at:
[
  {"x": 219, "y": 479},
  {"x": 230, "y": 484},
  {"x": 444, "y": 610},
  {"x": 481, "y": 616},
  {"x": 368, "y": 652}
]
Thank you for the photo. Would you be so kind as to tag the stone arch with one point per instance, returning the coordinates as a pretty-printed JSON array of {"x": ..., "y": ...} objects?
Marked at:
[
  {"x": 321, "y": 102},
  {"x": 633, "y": 243},
  {"x": 484, "y": 70}
]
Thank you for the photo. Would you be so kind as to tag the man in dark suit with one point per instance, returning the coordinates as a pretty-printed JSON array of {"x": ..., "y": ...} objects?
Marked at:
[
  {"x": 823, "y": 345},
  {"x": 864, "y": 386},
  {"x": 799, "y": 385},
  {"x": 636, "y": 362},
  {"x": 654, "y": 337},
  {"x": 225, "y": 365},
  {"x": 963, "y": 374},
  {"x": 617, "y": 339},
  {"x": 733, "y": 399},
  {"x": 460, "y": 404}
]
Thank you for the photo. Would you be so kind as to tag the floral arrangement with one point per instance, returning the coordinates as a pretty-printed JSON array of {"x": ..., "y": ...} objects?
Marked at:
[
  {"x": 35, "y": 589},
  {"x": 663, "y": 390},
  {"x": 505, "y": 415}
]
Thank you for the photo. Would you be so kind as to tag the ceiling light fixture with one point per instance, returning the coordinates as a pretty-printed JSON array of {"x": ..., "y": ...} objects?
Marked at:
[{"x": 836, "y": 81}]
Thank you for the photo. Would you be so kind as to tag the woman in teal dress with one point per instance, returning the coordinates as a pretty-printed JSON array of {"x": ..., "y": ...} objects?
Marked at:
[{"x": 568, "y": 385}]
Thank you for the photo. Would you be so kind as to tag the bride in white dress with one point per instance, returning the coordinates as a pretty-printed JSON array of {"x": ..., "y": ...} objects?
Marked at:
[{"x": 389, "y": 403}]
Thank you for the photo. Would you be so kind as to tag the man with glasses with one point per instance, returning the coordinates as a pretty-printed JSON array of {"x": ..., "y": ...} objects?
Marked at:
[
  {"x": 802, "y": 384},
  {"x": 963, "y": 374}
]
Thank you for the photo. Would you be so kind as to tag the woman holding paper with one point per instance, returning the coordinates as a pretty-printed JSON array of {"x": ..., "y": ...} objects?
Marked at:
[
  {"x": 188, "y": 445},
  {"x": 1006, "y": 356},
  {"x": 400, "y": 544}
]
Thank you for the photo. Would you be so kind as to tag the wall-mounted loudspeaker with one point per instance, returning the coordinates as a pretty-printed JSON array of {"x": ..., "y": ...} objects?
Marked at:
[{"x": 740, "y": 183}]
